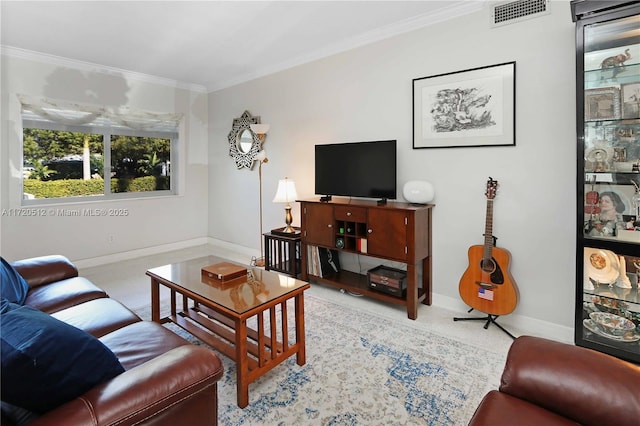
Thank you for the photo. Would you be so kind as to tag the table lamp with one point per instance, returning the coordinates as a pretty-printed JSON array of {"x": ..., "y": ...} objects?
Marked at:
[{"x": 286, "y": 193}]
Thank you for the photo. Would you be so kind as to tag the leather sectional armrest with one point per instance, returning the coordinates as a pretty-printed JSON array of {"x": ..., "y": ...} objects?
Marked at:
[
  {"x": 501, "y": 409},
  {"x": 163, "y": 388},
  {"x": 42, "y": 270},
  {"x": 589, "y": 387}
]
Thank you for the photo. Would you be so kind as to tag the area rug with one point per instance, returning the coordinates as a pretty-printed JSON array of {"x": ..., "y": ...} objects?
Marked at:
[{"x": 363, "y": 369}]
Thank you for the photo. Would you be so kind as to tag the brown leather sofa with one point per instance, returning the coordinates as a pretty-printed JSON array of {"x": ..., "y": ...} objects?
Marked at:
[
  {"x": 167, "y": 380},
  {"x": 551, "y": 383}
]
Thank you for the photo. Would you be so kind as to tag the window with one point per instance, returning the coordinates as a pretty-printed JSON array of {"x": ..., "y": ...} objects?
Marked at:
[{"x": 88, "y": 153}]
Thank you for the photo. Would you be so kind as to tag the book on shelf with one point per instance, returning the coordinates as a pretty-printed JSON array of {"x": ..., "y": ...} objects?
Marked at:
[
  {"x": 322, "y": 261},
  {"x": 329, "y": 261},
  {"x": 361, "y": 245},
  {"x": 312, "y": 260}
]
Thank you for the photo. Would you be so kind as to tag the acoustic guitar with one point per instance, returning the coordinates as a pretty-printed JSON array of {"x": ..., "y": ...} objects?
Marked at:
[{"x": 487, "y": 285}]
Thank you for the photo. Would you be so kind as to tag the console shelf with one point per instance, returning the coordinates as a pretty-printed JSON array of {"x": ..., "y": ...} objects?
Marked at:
[
  {"x": 399, "y": 232},
  {"x": 358, "y": 283}
]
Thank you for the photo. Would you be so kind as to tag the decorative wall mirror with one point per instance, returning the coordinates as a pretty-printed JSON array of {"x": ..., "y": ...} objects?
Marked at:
[{"x": 244, "y": 144}]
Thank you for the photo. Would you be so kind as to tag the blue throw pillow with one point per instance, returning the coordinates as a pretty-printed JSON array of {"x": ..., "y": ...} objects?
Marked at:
[
  {"x": 46, "y": 362},
  {"x": 14, "y": 287}
]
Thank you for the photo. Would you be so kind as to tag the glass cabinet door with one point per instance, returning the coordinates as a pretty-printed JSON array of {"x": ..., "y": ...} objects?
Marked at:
[{"x": 608, "y": 255}]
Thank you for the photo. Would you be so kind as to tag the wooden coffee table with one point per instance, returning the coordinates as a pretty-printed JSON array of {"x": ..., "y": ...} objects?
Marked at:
[{"x": 218, "y": 315}]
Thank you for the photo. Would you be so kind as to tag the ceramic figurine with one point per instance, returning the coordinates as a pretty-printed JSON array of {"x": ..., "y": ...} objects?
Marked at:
[
  {"x": 623, "y": 280},
  {"x": 616, "y": 62}
]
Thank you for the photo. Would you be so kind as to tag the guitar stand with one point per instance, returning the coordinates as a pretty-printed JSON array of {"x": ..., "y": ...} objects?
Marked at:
[{"x": 490, "y": 319}]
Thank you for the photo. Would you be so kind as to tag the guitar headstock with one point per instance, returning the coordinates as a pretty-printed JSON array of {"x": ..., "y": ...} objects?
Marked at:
[{"x": 492, "y": 188}]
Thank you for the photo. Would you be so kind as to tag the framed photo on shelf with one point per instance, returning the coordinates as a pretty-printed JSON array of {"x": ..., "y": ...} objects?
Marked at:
[
  {"x": 630, "y": 100},
  {"x": 470, "y": 108},
  {"x": 620, "y": 197},
  {"x": 602, "y": 104}
]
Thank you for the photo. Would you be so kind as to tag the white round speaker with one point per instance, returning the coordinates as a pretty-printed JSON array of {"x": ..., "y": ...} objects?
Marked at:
[{"x": 418, "y": 191}]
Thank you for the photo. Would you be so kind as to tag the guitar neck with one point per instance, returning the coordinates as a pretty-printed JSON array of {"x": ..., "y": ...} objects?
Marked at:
[{"x": 488, "y": 231}]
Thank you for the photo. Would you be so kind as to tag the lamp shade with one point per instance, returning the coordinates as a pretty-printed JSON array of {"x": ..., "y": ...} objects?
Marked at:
[
  {"x": 259, "y": 129},
  {"x": 286, "y": 192},
  {"x": 261, "y": 156}
]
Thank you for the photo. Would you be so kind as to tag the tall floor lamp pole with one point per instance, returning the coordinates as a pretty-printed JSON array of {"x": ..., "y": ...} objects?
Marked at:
[
  {"x": 260, "y": 130},
  {"x": 262, "y": 158}
]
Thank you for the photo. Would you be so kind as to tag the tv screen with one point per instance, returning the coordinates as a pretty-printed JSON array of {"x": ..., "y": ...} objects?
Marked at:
[{"x": 359, "y": 169}]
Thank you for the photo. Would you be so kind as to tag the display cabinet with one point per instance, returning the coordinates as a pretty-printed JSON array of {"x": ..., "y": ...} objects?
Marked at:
[{"x": 607, "y": 311}]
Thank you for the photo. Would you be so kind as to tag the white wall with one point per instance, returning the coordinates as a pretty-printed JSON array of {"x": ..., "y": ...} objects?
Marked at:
[
  {"x": 365, "y": 94},
  {"x": 151, "y": 222}
]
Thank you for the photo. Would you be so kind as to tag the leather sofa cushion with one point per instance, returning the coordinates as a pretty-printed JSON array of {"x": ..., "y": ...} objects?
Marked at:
[
  {"x": 63, "y": 294},
  {"x": 42, "y": 270},
  {"x": 97, "y": 317},
  {"x": 500, "y": 409},
  {"x": 140, "y": 342},
  {"x": 46, "y": 362}
]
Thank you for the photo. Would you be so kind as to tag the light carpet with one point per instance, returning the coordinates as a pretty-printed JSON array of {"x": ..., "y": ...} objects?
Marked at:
[{"x": 363, "y": 369}]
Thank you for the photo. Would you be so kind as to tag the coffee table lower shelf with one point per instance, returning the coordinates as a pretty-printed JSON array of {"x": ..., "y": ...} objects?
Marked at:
[
  {"x": 254, "y": 350},
  {"x": 220, "y": 335}
]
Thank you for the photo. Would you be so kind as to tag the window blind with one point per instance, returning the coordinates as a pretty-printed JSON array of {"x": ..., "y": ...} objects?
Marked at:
[{"x": 41, "y": 110}]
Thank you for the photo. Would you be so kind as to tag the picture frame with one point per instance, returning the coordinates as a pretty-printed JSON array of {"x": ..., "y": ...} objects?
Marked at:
[
  {"x": 469, "y": 108},
  {"x": 624, "y": 192},
  {"x": 602, "y": 103},
  {"x": 621, "y": 196},
  {"x": 630, "y": 96}
]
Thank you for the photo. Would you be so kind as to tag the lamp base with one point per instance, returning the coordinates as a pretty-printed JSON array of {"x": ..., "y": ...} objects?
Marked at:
[{"x": 282, "y": 231}]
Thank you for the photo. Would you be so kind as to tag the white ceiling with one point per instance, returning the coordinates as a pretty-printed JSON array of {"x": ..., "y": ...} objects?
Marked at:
[{"x": 211, "y": 44}]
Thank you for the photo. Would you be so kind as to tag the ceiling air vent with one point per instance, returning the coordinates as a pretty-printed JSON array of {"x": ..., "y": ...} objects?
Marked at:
[{"x": 519, "y": 10}]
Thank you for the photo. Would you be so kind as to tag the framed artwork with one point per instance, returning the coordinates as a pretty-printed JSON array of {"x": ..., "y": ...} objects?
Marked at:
[
  {"x": 474, "y": 107},
  {"x": 630, "y": 100},
  {"x": 602, "y": 104}
]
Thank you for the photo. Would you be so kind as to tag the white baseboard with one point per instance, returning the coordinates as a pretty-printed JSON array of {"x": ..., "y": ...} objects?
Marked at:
[
  {"x": 233, "y": 251},
  {"x": 238, "y": 249},
  {"x": 514, "y": 323},
  {"x": 132, "y": 254},
  {"x": 518, "y": 324}
]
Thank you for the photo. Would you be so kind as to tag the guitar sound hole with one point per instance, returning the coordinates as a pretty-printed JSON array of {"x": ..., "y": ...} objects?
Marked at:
[
  {"x": 491, "y": 267},
  {"x": 487, "y": 265}
]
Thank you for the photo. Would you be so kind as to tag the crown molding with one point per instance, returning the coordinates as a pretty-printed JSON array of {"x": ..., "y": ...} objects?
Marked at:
[
  {"x": 46, "y": 58},
  {"x": 411, "y": 24},
  {"x": 414, "y": 23}
]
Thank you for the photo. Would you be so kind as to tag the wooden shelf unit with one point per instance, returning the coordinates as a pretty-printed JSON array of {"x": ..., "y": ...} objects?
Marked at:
[
  {"x": 282, "y": 253},
  {"x": 399, "y": 232}
]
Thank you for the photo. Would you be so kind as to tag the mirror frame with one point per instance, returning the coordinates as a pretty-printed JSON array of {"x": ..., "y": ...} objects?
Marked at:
[{"x": 244, "y": 159}]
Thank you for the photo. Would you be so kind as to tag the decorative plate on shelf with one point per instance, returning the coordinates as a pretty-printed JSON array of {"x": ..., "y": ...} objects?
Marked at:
[
  {"x": 602, "y": 266},
  {"x": 592, "y": 327},
  {"x": 599, "y": 157},
  {"x": 599, "y": 153}
]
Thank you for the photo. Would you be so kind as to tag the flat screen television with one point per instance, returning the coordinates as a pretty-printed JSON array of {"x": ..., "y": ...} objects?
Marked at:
[{"x": 357, "y": 169}]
